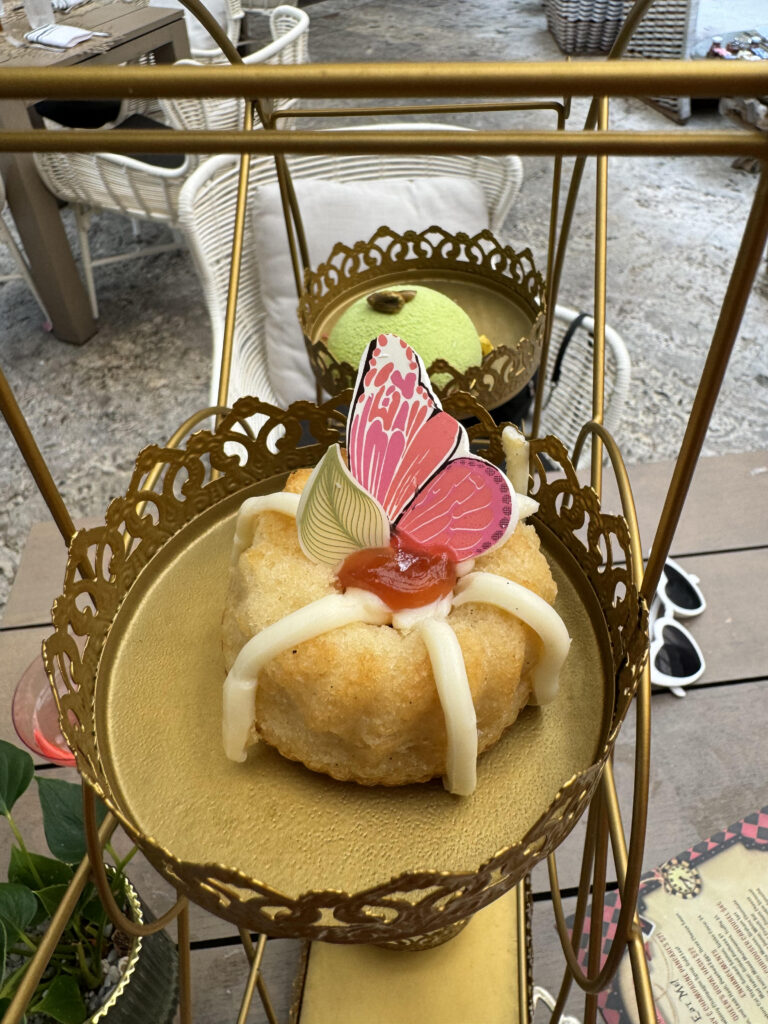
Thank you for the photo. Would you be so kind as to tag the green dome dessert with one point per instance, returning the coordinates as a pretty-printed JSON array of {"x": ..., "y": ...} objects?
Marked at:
[{"x": 432, "y": 324}]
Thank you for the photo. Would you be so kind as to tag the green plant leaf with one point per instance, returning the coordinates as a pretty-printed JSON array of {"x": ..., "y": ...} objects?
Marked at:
[
  {"x": 4, "y": 1004},
  {"x": 337, "y": 516},
  {"x": 16, "y": 771},
  {"x": 49, "y": 871},
  {"x": 3, "y": 952},
  {"x": 62, "y": 1001},
  {"x": 18, "y": 906},
  {"x": 50, "y": 898},
  {"x": 90, "y": 906},
  {"x": 62, "y": 804}
]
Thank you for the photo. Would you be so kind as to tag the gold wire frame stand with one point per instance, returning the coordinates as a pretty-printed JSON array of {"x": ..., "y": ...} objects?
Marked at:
[{"x": 349, "y": 81}]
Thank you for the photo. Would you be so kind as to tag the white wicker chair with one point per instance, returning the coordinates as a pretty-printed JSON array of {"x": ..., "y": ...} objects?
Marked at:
[
  {"x": 7, "y": 239},
  {"x": 289, "y": 28},
  {"x": 143, "y": 190},
  {"x": 567, "y": 400},
  {"x": 207, "y": 210}
]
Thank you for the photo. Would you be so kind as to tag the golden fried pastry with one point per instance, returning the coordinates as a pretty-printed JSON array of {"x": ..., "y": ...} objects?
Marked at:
[{"x": 360, "y": 702}]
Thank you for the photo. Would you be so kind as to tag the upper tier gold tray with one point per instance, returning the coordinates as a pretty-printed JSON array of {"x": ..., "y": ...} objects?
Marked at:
[
  {"x": 500, "y": 290},
  {"x": 270, "y": 845}
]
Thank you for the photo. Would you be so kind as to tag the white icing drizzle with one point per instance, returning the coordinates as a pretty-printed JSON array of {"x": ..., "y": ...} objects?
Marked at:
[
  {"x": 526, "y": 505},
  {"x": 279, "y": 501},
  {"x": 462, "y": 568},
  {"x": 322, "y": 616},
  {"x": 488, "y": 588},
  {"x": 517, "y": 459},
  {"x": 455, "y": 696},
  {"x": 407, "y": 618}
]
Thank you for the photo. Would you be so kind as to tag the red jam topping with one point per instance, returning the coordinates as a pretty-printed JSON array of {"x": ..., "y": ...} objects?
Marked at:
[{"x": 401, "y": 577}]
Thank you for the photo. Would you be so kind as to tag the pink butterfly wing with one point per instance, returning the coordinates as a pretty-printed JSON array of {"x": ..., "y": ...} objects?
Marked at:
[
  {"x": 397, "y": 434},
  {"x": 468, "y": 508}
]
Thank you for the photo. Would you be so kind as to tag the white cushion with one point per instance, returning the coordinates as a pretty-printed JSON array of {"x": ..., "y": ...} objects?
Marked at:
[{"x": 345, "y": 212}]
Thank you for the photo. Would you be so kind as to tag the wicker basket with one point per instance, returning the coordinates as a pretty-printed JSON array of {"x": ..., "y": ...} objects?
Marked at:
[
  {"x": 584, "y": 26},
  {"x": 664, "y": 34}
]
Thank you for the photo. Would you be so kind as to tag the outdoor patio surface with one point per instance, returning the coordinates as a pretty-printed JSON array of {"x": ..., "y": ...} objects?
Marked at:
[{"x": 674, "y": 227}]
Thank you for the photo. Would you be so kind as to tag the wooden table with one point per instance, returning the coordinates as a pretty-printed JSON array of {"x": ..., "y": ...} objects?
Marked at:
[
  {"x": 133, "y": 31},
  {"x": 709, "y": 761}
]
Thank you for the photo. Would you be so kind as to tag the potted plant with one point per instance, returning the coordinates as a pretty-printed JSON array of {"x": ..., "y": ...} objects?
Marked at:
[{"x": 96, "y": 973}]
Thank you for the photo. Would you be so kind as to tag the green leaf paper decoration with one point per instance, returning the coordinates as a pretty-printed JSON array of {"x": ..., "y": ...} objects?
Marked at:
[{"x": 336, "y": 516}]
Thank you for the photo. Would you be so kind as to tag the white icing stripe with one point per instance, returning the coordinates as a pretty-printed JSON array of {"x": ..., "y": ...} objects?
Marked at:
[
  {"x": 322, "y": 616},
  {"x": 456, "y": 700},
  {"x": 527, "y": 506},
  {"x": 488, "y": 588},
  {"x": 517, "y": 459},
  {"x": 280, "y": 501}
]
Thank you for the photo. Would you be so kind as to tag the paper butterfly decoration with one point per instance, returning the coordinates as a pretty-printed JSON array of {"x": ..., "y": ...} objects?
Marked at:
[{"x": 410, "y": 472}]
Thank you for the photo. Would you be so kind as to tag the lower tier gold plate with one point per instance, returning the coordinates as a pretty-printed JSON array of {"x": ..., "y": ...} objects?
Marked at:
[{"x": 275, "y": 847}]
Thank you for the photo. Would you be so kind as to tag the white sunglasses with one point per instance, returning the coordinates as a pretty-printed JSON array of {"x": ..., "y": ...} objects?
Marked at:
[
  {"x": 676, "y": 658},
  {"x": 679, "y": 590}
]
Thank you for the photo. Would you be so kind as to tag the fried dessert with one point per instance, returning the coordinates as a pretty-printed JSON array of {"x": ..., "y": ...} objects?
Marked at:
[{"x": 389, "y": 615}]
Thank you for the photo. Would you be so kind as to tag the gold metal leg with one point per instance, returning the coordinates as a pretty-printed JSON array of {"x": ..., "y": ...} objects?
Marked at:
[
  {"x": 255, "y": 980},
  {"x": 185, "y": 966}
]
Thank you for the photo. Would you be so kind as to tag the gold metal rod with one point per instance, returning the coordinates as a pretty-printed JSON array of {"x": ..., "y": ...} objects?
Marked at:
[
  {"x": 633, "y": 18},
  {"x": 255, "y": 979},
  {"x": 377, "y": 80},
  {"x": 361, "y": 142},
  {"x": 255, "y": 961},
  {"x": 601, "y": 265},
  {"x": 557, "y": 174},
  {"x": 632, "y": 868},
  {"x": 641, "y": 977},
  {"x": 521, "y": 903},
  {"x": 214, "y": 29},
  {"x": 100, "y": 880},
  {"x": 638, "y": 961},
  {"x": 297, "y": 252},
  {"x": 597, "y": 906},
  {"x": 737, "y": 293},
  {"x": 587, "y": 859},
  {"x": 245, "y": 939},
  {"x": 624, "y": 485},
  {"x": 34, "y": 460},
  {"x": 266, "y": 1001},
  {"x": 185, "y": 967},
  {"x": 424, "y": 108},
  {"x": 49, "y": 941},
  {"x": 234, "y": 270}
]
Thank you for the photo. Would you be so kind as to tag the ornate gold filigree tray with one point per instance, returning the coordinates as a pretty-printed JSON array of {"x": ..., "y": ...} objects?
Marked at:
[
  {"x": 270, "y": 845},
  {"x": 500, "y": 290}
]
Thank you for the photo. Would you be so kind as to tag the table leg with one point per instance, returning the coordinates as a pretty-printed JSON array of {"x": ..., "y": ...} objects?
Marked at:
[
  {"x": 37, "y": 217},
  {"x": 177, "y": 48}
]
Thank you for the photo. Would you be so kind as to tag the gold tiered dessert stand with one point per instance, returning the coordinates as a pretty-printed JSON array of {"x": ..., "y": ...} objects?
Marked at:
[{"x": 276, "y": 849}]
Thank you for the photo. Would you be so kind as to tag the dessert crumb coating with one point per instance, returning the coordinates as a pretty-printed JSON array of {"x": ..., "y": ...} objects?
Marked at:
[{"x": 360, "y": 703}]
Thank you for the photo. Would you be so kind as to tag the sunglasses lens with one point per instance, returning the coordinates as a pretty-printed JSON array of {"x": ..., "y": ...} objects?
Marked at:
[
  {"x": 676, "y": 657},
  {"x": 679, "y": 590}
]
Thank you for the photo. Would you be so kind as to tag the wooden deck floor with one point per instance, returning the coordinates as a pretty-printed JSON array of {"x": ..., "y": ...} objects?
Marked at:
[{"x": 709, "y": 756}]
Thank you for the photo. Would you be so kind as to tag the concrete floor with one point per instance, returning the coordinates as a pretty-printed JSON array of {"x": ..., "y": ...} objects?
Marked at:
[{"x": 674, "y": 227}]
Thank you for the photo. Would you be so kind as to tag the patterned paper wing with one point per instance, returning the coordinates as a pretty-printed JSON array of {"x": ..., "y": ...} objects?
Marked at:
[
  {"x": 398, "y": 437},
  {"x": 467, "y": 509},
  {"x": 336, "y": 516}
]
